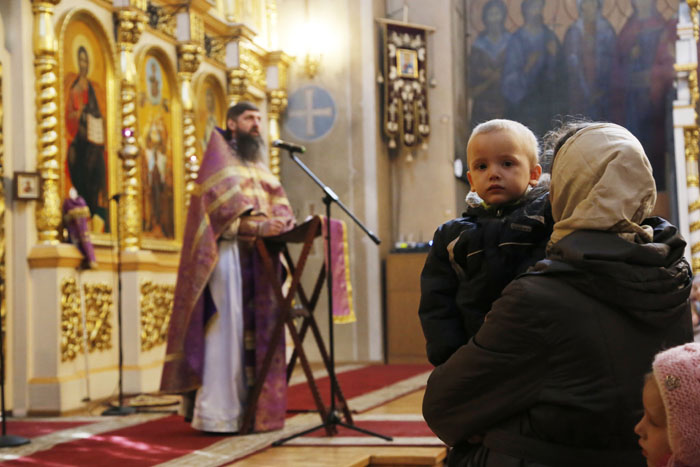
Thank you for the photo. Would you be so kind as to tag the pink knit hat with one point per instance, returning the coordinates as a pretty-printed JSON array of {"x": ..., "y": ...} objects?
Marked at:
[{"x": 677, "y": 372}]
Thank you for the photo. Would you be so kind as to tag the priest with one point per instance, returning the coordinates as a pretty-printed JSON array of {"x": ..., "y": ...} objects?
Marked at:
[{"x": 224, "y": 311}]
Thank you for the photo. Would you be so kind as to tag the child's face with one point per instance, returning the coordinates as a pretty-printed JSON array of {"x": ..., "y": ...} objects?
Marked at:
[
  {"x": 653, "y": 437},
  {"x": 499, "y": 169}
]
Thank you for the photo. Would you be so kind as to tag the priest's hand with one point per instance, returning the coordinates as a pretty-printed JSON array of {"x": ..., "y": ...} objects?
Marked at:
[
  {"x": 271, "y": 227},
  {"x": 260, "y": 226}
]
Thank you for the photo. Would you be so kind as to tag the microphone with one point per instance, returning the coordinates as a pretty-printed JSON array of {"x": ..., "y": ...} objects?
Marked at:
[
  {"x": 291, "y": 147},
  {"x": 116, "y": 196}
]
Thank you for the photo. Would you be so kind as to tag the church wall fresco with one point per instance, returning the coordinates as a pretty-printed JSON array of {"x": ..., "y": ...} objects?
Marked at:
[{"x": 538, "y": 60}]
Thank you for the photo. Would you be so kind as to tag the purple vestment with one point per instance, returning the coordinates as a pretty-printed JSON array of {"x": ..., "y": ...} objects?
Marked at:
[{"x": 227, "y": 189}]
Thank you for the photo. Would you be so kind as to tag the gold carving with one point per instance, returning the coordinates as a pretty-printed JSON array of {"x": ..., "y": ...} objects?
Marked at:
[
  {"x": 691, "y": 69},
  {"x": 196, "y": 28},
  {"x": 692, "y": 148},
  {"x": 189, "y": 56},
  {"x": 252, "y": 63},
  {"x": 277, "y": 102},
  {"x": 237, "y": 85},
  {"x": 693, "y": 4},
  {"x": 130, "y": 25},
  {"x": 48, "y": 213},
  {"x": 156, "y": 307},
  {"x": 71, "y": 325},
  {"x": 98, "y": 309},
  {"x": 161, "y": 20},
  {"x": 215, "y": 48}
]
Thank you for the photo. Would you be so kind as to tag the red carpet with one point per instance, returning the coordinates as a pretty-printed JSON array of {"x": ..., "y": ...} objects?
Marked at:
[
  {"x": 353, "y": 383},
  {"x": 29, "y": 429},
  {"x": 150, "y": 442},
  {"x": 145, "y": 444}
]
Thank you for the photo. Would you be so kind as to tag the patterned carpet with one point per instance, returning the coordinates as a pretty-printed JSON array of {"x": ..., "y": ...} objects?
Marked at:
[{"x": 149, "y": 439}]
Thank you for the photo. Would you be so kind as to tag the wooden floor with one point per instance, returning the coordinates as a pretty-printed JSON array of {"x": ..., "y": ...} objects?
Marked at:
[{"x": 353, "y": 456}]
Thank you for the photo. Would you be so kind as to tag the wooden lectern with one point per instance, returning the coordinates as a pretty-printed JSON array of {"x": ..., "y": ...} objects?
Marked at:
[{"x": 305, "y": 234}]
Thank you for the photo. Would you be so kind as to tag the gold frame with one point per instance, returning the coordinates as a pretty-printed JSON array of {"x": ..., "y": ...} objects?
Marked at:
[
  {"x": 414, "y": 62},
  {"x": 169, "y": 73},
  {"x": 111, "y": 112}
]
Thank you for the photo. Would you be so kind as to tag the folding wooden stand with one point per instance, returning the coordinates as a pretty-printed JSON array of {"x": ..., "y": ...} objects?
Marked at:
[{"x": 305, "y": 234}]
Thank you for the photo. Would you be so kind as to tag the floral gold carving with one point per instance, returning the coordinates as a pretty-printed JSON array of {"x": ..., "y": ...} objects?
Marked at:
[
  {"x": 161, "y": 20},
  {"x": 189, "y": 56},
  {"x": 156, "y": 308},
  {"x": 98, "y": 310},
  {"x": 129, "y": 26},
  {"x": 48, "y": 212},
  {"x": 215, "y": 48},
  {"x": 252, "y": 63},
  {"x": 71, "y": 321}
]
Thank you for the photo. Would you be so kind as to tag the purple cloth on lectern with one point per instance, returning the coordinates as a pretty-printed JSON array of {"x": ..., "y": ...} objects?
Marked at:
[{"x": 75, "y": 217}]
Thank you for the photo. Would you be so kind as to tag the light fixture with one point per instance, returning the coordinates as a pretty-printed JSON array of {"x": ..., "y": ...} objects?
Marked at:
[{"x": 311, "y": 41}]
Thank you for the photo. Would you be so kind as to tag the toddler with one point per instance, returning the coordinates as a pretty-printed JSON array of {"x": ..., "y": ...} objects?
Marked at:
[
  {"x": 669, "y": 431},
  {"x": 503, "y": 232}
]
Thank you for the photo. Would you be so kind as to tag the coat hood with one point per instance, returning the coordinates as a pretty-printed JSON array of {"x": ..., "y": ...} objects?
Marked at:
[{"x": 650, "y": 281}]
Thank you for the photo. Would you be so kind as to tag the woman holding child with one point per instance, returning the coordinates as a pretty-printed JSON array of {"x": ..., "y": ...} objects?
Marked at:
[{"x": 552, "y": 377}]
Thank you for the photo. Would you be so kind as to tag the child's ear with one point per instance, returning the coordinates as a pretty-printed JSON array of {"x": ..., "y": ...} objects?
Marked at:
[
  {"x": 469, "y": 177},
  {"x": 535, "y": 175}
]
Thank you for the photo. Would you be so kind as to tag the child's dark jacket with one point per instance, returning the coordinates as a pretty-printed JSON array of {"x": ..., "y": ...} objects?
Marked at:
[{"x": 471, "y": 260}]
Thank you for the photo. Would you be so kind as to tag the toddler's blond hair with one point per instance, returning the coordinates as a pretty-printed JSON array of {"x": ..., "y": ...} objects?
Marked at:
[{"x": 527, "y": 138}]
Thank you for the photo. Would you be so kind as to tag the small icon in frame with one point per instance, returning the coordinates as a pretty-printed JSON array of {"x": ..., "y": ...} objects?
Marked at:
[
  {"x": 27, "y": 186},
  {"x": 407, "y": 63}
]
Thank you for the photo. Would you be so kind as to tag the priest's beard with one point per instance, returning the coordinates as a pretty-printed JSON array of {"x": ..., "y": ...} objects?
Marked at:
[{"x": 249, "y": 147}]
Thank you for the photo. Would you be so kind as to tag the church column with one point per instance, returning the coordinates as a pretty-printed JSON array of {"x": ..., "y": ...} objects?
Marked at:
[
  {"x": 276, "y": 77},
  {"x": 129, "y": 25},
  {"x": 686, "y": 131},
  {"x": 48, "y": 213},
  {"x": 237, "y": 85},
  {"x": 242, "y": 76},
  {"x": 277, "y": 102},
  {"x": 189, "y": 56},
  {"x": 3, "y": 243}
]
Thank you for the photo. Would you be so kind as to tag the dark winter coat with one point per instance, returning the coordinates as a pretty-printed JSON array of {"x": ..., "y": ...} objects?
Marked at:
[
  {"x": 470, "y": 262},
  {"x": 554, "y": 376}
]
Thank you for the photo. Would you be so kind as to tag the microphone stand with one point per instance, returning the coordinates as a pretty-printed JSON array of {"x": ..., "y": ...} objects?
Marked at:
[
  {"x": 6, "y": 440},
  {"x": 333, "y": 419},
  {"x": 120, "y": 409}
]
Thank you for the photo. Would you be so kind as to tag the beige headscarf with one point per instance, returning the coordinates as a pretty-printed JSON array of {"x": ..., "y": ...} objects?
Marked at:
[{"x": 602, "y": 180}]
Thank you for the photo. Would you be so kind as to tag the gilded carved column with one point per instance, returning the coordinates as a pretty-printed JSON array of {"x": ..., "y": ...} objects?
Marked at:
[
  {"x": 693, "y": 5},
  {"x": 237, "y": 85},
  {"x": 276, "y": 103},
  {"x": 129, "y": 25},
  {"x": 276, "y": 80},
  {"x": 189, "y": 56},
  {"x": 48, "y": 212}
]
